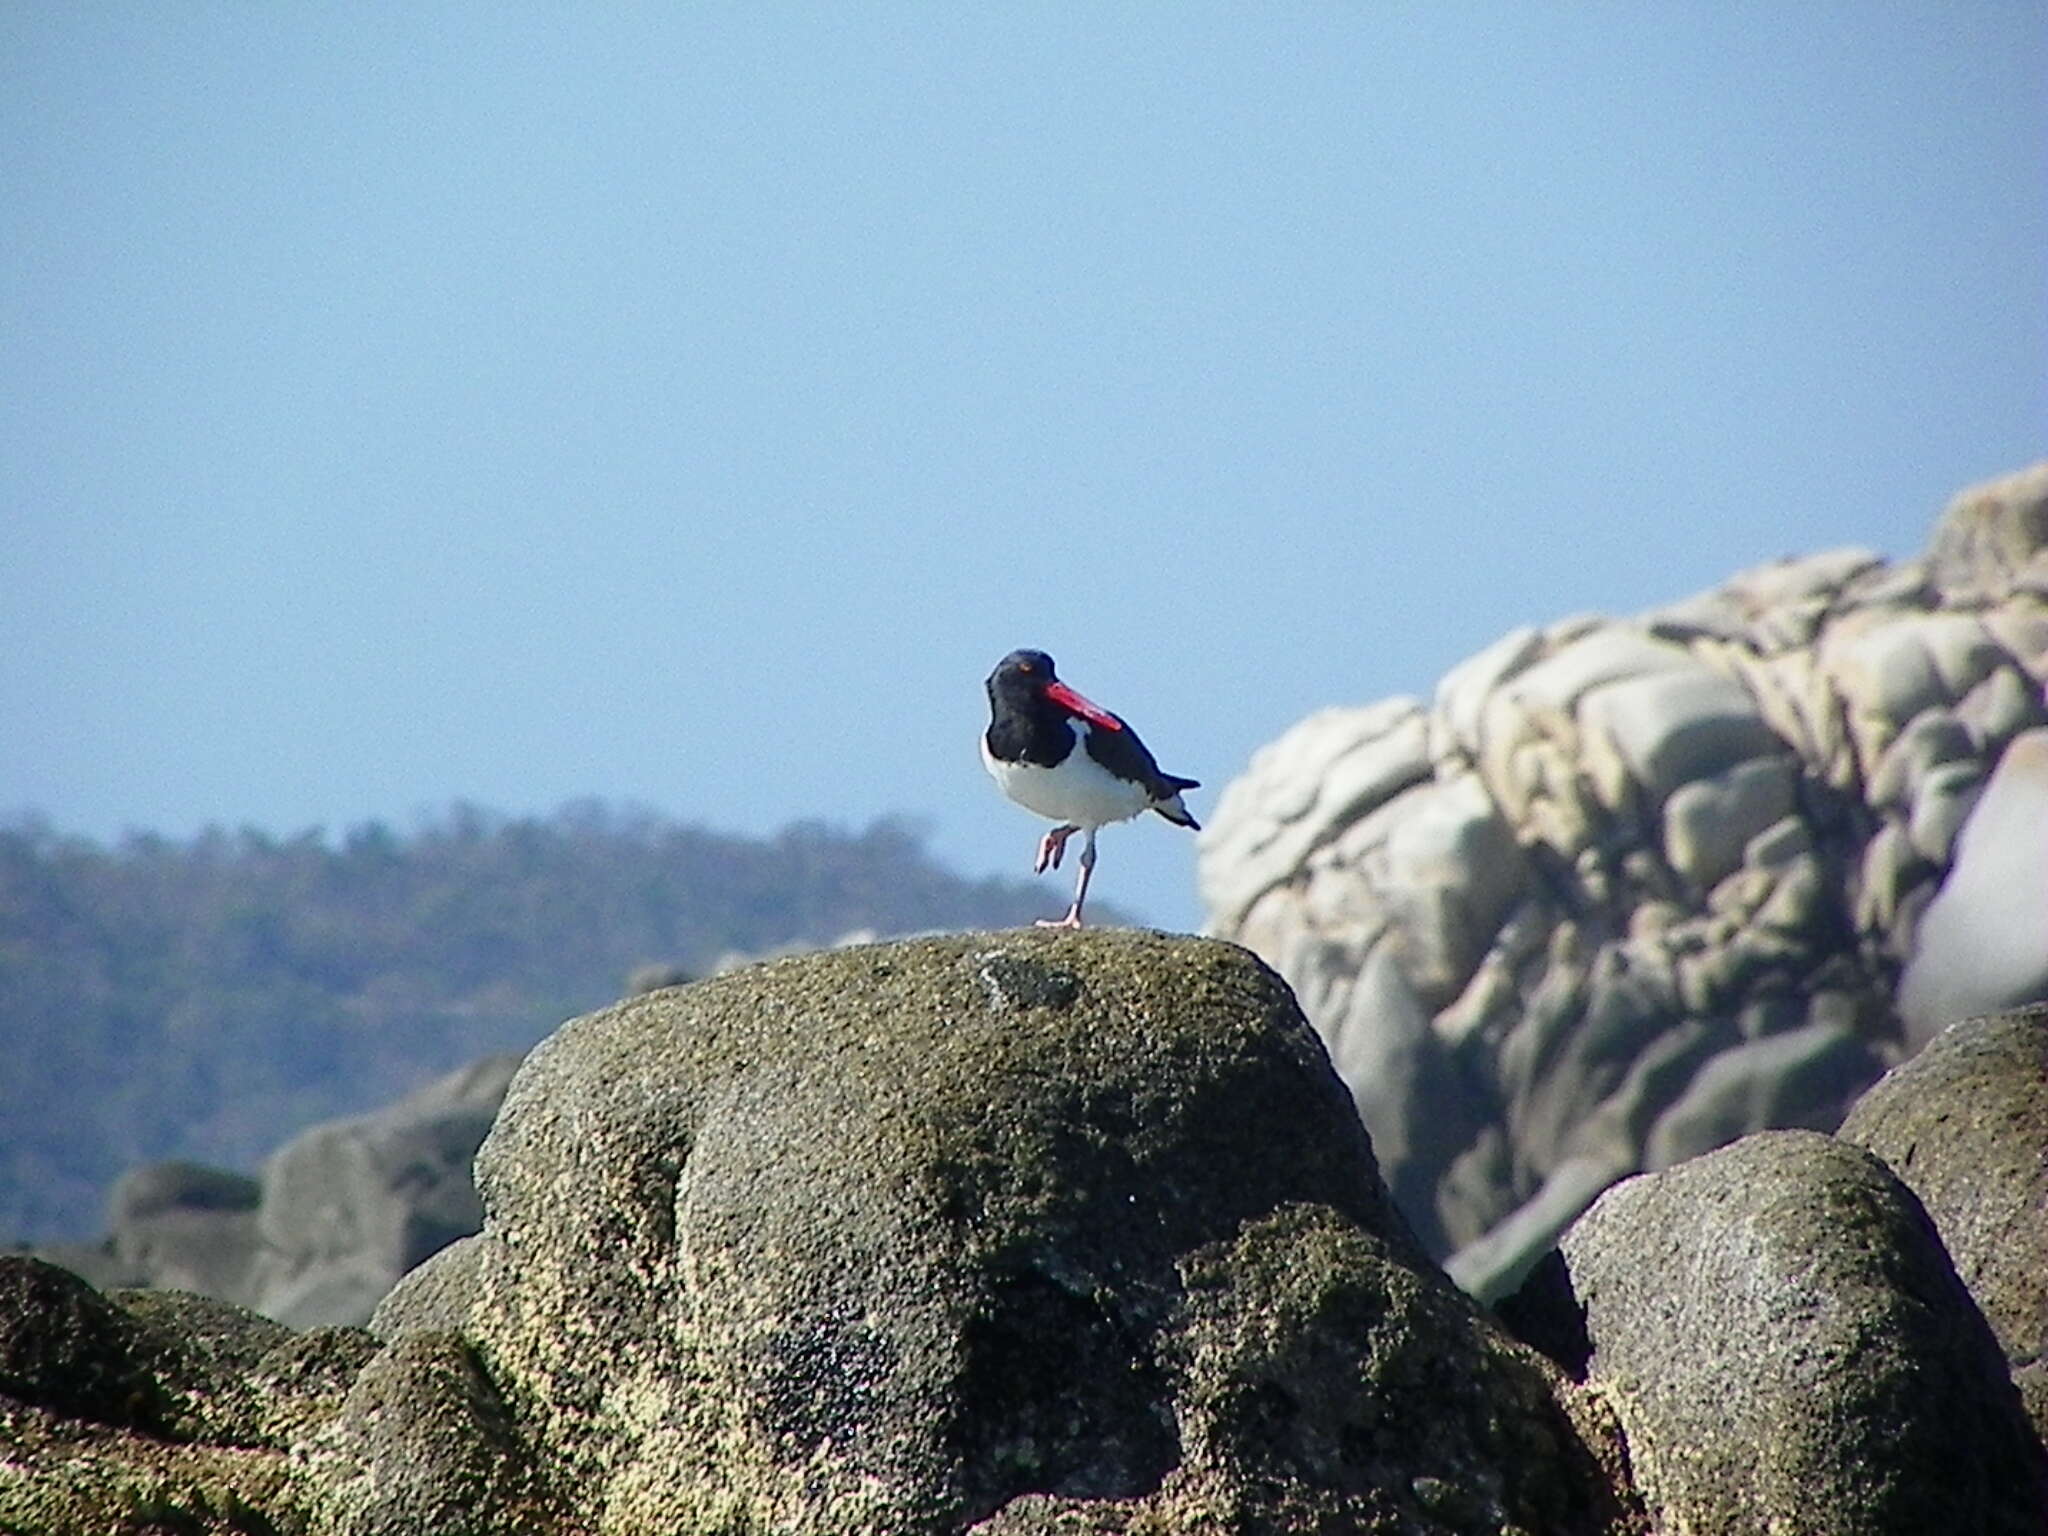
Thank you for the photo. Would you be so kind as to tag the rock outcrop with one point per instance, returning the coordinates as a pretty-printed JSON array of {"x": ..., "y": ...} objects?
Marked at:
[
  {"x": 1630, "y": 888},
  {"x": 341, "y": 1211},
  {"x": 995, "y": 1232},
  {"x": 1980, "y": 945},
  {"x": 143, "y": 1411},
  {"x": 1012, "y": 1235},
  {"x": 1965, "y": 1125},
  {"x": 1788, "y": 1348},
  {"x": 1004, "y": 1232}
]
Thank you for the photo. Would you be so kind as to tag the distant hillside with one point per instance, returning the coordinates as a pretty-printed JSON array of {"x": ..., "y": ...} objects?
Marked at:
[{"x": 205, "y": 999}]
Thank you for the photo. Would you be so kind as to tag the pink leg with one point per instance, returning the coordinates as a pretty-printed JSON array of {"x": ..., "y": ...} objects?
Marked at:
[
  {"x": 1073, "y": 917},
  {"x": 1052, "y": 848}
]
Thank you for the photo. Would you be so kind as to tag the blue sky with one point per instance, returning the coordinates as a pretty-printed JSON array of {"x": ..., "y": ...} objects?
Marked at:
[{"x": 689, "y": 404}]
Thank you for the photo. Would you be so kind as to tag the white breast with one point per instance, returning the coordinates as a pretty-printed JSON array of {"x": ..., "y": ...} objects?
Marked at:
[{"x": 1079, "y": 790}]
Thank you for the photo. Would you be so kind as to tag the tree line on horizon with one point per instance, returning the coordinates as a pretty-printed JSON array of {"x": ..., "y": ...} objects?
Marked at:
[{"x": 206, "y": 998}]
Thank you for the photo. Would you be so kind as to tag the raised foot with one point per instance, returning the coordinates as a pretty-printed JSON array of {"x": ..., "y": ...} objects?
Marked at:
[{"x": 1052, "y": 848}]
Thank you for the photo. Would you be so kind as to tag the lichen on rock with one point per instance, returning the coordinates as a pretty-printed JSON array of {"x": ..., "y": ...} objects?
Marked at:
[
  {"x": 1004, "y": 1234},
  {"x": 896, "y": 1237},
  {"x": 1789, "y": 1348}
]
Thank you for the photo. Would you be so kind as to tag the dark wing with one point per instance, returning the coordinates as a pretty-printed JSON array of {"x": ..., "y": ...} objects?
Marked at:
[{"x": 1128, "y": 758}]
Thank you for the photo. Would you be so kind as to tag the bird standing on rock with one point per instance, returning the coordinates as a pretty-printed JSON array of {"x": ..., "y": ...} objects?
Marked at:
[{"x": 1072, "y": 762}]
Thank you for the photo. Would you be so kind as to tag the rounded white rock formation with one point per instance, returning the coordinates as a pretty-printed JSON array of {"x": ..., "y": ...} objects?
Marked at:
[{"x": 1629, "y": 888}]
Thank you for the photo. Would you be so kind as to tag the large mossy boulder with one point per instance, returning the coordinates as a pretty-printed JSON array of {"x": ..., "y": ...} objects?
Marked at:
[{"x": 1035, "y": 1231}]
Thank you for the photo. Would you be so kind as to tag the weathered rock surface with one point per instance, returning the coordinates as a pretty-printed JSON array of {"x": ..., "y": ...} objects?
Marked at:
[
  {"x": 1788, "y": 1348},
  {"x": 351, "y": 1205},
  {"x": 1024, "y": 1229},
  {"x": 1628, "y": 889},
  {"x": 1022, "y": 1233},
  {"x": 1965, "y": 1125},
  {"x": 145, "y": 1411},
  {"x": 1014, "y": 1232},
  {"x": 1981, "y": 945},
  {"x": 341, "y": 1211}
]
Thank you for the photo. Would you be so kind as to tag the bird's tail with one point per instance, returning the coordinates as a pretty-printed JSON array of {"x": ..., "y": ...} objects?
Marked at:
[{"x": 1172, "y": 808}]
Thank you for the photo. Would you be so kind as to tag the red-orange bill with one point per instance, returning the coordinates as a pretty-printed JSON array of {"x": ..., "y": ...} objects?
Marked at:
[{"x": 1062, "y": 695}]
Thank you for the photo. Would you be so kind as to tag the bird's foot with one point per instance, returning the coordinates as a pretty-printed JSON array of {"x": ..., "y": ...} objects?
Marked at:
[
  {"x": 1071, "y": 920},
  {"x": 1052, "y": 848}
]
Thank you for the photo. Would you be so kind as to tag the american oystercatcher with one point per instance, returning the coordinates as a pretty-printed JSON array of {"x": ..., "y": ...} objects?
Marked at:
[{"x": 1070, "y": 761}]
